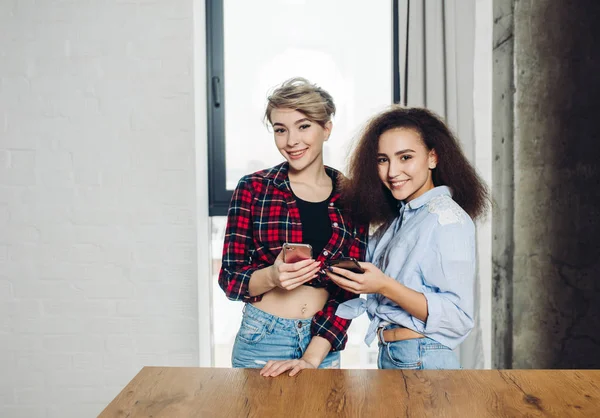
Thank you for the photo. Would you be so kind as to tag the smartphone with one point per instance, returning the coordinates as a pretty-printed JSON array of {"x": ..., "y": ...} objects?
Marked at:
[
  {"x": 296, "y": 252},
  {"x": 347, "y": 263}
]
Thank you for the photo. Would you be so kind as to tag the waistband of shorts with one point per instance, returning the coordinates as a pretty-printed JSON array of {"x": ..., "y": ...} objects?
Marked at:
[{"x": 260, "y": 315}]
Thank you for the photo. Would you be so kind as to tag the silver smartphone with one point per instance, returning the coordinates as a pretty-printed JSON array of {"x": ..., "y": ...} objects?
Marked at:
[{"x": 296, "y": 252}]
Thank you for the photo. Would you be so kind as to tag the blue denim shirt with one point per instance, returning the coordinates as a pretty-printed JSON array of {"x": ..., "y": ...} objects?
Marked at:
[{"x": 430, "y": 248}]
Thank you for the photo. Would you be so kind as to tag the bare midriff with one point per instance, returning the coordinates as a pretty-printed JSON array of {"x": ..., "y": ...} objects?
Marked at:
[{"x": 301, "y": 303}]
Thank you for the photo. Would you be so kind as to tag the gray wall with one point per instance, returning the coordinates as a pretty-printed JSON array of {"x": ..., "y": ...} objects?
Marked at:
[{"x": 546, "y": 184}]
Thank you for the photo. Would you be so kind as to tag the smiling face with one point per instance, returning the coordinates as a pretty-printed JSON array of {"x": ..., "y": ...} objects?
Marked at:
[
  {"x": 299, "y": 139},
  {"x": 404, "y": 163}
]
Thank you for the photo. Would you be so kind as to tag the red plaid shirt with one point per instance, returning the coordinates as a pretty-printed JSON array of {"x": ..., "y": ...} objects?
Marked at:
[{"x": 262, "y": 217}]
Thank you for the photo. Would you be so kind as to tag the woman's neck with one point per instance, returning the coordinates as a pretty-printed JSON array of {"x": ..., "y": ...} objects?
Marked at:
[
  {"x": 311, "y": 184},
  {"x": 314, "y": 174}
]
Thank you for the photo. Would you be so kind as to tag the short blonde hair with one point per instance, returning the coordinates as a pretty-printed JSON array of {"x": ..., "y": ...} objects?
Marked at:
[{"x": 299, "y": 94}]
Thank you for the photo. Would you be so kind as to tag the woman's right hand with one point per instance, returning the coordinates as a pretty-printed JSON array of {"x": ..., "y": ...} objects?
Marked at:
[{"x": 289, "y": 276}]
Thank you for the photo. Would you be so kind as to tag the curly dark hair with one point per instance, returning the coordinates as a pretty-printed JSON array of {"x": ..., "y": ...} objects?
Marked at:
[{"x": 367, "y": 198}]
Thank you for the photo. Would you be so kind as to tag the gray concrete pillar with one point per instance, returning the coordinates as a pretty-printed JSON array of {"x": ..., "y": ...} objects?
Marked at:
[{"x": 546, "y": 178}]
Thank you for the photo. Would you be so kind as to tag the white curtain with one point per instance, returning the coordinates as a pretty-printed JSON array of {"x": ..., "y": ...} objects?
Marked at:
[{"x": 441, "y": 45}]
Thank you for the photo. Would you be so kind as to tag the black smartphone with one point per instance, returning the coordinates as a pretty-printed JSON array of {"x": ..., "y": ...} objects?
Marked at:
[
  {"x": 347, "y": 263},
  {"x": 296, "y": 252}
]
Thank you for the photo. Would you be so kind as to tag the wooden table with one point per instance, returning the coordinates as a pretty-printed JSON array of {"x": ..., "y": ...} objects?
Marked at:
[{"x": 210, "y": 392}]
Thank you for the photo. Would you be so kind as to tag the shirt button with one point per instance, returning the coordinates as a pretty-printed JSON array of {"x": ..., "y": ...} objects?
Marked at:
[
  {"x": 299, "y": 324},
  {"x": 330, "y": 203},
  {"x": 335, "y": 224},
  {"x": 325, "y": 253}
]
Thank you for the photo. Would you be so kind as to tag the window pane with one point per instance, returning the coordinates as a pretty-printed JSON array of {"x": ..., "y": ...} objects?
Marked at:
[{"x": 342, "y": 45}]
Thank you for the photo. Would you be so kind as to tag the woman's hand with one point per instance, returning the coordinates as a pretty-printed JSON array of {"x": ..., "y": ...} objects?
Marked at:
[
  {"x": 289, "y": 276},
  {"x": 372, "y": 280},
  {"x": 276, "y": 367}
]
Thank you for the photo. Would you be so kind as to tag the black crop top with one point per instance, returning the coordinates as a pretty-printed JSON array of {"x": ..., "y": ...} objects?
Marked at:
[{"x": 316, "y": 225}]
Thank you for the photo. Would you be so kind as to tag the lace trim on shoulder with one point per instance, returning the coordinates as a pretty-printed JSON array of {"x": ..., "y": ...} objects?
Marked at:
[{"x": 446, "y": 209}]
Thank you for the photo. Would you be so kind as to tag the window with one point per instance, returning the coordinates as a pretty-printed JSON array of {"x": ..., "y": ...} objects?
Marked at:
[{"x": 345, "y": 46}]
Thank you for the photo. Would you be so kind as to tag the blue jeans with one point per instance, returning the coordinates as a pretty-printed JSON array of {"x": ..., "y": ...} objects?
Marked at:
[
  {"x": 263, "y": 337},
  {"x": 416, "y": 354}
]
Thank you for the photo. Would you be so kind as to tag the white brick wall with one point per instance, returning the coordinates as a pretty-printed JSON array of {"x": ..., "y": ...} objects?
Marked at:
[{"x": 97, "y": 200}]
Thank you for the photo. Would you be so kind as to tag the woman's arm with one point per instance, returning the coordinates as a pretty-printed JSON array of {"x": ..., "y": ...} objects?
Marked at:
[
  {"x": 236, "y": 271},
  {"x": 450, "y": 270},
  {"x": 410, "y": 300},
  {"x": 287, "y": 276},
  {"x": 317, "y": 350},
  {"x": 374, "y": 280},
  {"x": 245, "y": 281},
  {"x": 261, "y": 281},
  {"x": 315, "y": 353}
]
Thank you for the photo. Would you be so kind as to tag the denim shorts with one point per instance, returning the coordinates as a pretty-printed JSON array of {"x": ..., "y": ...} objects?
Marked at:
[
  {"x": 416, "y": 354},
  {"x": 263, "y": 337}
]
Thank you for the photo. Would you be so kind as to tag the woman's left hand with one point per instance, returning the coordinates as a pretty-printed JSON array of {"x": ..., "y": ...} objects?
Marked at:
[
  {"x": 372, "y": 280},
  {"x": 276, "y": 367}
]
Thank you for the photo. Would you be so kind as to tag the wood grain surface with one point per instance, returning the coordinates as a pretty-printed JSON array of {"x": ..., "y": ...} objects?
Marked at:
[{"x": 213, "y": 392}]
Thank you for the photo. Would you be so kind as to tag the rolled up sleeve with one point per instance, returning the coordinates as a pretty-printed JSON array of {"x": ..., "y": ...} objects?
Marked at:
[
  {"x": 237, "y": 266},
  {"x": 449, "y": 272}
]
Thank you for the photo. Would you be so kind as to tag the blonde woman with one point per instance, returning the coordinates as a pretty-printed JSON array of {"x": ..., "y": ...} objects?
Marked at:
[{"x": 289, "y": 320}]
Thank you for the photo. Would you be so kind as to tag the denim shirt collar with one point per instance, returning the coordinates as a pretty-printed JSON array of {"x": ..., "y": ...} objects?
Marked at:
[{"x": 426, "y": 198}]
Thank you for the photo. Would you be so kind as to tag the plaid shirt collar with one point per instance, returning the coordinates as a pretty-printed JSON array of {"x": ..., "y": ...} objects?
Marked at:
[{"x": 281, "y": 180}]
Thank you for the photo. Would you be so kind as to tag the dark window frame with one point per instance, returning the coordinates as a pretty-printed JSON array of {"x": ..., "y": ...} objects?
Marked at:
[{"x": 218, "y": 194}]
